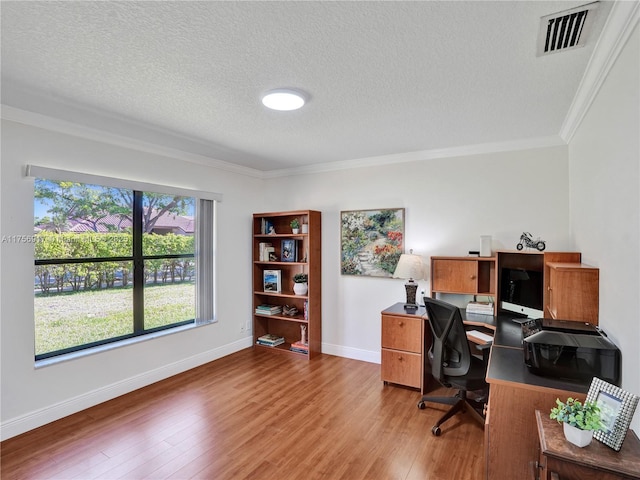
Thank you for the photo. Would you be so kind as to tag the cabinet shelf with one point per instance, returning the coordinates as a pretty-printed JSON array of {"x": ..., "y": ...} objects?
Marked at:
[
  {"x": 262, "y": 236},
  {"x": 308, "y": 246},
  {"x": 282, "y": 348},
  {"x": 281, "y": 294},
  {"x": 295, "y": 318},
  {"x": 280, "y": 263}
]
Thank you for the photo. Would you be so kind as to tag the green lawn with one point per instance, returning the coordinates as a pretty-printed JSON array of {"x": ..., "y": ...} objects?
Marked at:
[{"x": 71, "y": 319}]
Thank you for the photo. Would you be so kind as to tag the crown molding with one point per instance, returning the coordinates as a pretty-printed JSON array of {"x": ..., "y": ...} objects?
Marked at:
[
  {"x": 476, "y": 149},
  {"x": 62, "y": 126},
  {"x": 46, "y": 122},
  {"x": 622, "y": 19}
]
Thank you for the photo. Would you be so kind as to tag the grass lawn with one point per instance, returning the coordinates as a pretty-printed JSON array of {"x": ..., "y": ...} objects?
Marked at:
[{"x": 75, "y": 318}]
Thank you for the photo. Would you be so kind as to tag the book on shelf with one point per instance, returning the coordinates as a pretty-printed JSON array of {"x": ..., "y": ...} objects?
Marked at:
[
  {"x": 270, "y": 340},
  {"x": 271, "y": 308},
  {"x": 273, "y": 281},
  {"x": 299, "y": 350},
  {"x": 269, "y": 344},
  {"x": 263, "y": 251},
  {"x": 299, "y": 347},
  {"x": 266, "y": 227},
  {"x": 268, "y": 312}
]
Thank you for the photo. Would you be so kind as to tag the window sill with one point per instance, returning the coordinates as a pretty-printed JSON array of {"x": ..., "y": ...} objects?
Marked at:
[{"x": 111, "y": 346}]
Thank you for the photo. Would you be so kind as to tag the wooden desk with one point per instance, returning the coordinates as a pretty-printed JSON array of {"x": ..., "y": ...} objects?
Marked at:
[
  {"x": 596, "y": 461},
  {"x": 511, "y": 441},
  {"x": 406, "y": 339}
]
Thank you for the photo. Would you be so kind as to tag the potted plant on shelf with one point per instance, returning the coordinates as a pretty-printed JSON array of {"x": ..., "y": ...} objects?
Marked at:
[
  {"x": 295, "y": 225},
  {"x": 300, "y": 286},
  {"x": 579, "y": 420}
]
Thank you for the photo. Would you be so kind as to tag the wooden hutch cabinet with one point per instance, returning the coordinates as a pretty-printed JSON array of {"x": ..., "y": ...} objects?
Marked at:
[
  {"x": 282, "y": 254},
  {"x": 464, "y": 275},
  {"x": 569, "y": 287},
  {"x": 573, "y": 292}
]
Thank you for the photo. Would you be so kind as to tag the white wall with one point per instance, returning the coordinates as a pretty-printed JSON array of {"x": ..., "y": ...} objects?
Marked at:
[
  {"x": 604, "y": 161},
  {"x": 31, "y": 397},
  {"x": 449, "y": 203}
]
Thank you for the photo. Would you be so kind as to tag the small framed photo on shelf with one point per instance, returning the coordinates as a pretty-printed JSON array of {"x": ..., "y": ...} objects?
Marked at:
[
  {"x": 288, "y": 251},
  {"x": 616, "y": 411},
  {"x": 272, "y": 281}
]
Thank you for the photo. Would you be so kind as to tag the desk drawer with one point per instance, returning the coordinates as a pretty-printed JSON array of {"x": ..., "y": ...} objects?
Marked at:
[
  {"x": 402, "y": 333},
  {"x": 403, "y": 368}
]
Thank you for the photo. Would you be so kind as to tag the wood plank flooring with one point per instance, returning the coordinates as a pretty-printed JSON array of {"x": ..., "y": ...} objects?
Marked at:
[{"x": 255, "y": 415}]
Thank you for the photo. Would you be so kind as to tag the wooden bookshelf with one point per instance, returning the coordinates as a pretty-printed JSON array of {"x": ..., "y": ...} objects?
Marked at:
[{"x": 306, "y": 259}]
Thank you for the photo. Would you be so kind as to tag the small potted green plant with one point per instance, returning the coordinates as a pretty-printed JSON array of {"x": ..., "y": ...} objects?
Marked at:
[
  {"x": 300, "y": 286},
  {"x": 579, "y": 420},
  {"x": 295, "y": 225}
]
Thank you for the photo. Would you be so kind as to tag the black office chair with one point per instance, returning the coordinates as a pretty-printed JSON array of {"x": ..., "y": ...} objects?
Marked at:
[{"x": 452, "y": 363}]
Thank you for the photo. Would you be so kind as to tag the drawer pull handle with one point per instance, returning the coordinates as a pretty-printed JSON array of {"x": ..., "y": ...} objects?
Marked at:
[
  {"x": 399, "y": 359},
  {"x": 472, "y": 277},
  {"x": 400, "y": 323}
]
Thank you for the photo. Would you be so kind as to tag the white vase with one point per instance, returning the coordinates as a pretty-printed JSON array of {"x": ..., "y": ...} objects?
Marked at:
[
  {"x": 578, "y": 437},
  {"x": 295, "y": 230},
  {"x": 300, "y": 288}
]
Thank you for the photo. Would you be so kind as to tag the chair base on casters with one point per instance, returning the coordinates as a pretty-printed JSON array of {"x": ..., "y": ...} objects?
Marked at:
[{"x": 459, "y": 403}]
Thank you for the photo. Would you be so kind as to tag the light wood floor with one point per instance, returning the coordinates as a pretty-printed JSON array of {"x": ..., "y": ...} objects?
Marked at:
[{"x": 255, "y": 415}]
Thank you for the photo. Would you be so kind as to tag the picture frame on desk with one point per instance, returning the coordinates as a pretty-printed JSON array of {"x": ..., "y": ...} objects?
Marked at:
[{"x": 617, "y": 407}]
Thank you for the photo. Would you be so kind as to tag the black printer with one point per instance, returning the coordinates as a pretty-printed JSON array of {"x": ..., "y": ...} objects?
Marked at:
[{"x": 570, "y": 350}]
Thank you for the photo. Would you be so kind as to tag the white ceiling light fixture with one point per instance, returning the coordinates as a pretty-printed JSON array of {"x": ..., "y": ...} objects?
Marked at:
[{"x": 283, "y": 99}]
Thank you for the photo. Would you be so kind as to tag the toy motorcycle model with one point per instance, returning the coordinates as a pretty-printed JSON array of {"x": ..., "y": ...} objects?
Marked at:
[{"x": 526, "y": 240}]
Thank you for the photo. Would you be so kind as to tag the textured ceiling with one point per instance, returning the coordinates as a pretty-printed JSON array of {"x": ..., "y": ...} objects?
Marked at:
[{"x": 383, "y": 77}]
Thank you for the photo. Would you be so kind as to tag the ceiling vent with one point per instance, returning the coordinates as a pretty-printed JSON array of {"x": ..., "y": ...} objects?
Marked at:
[{"x": 565, "y": 30}]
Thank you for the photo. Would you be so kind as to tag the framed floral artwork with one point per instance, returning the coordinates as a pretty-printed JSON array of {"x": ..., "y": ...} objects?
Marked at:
[{"x": 371, "y": 241}]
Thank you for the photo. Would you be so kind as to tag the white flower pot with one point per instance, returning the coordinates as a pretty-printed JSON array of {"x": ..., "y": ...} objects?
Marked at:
[
  {"x": 578, "y": 437},
  {"x": 300, "y": 288}
]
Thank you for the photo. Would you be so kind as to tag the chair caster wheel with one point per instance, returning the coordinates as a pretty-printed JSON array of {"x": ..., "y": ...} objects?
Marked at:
[
  {"x": 436, "y": 431},
  {"x": 421, "y": 405}
]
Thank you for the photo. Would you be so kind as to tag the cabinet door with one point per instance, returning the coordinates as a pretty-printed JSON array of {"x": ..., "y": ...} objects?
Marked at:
[
  {"x": 573, "y": 293},
  {"x": 403, "y": 368},
  {"x": 402, "y": 333},
  {"x": 454, "y": 276}
]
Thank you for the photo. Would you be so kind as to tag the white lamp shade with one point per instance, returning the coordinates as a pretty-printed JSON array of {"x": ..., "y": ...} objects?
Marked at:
[{"x": 409, "y": 266}]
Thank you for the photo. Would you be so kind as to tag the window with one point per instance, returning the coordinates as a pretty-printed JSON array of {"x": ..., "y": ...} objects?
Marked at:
[{"x": 115, "y": 262}]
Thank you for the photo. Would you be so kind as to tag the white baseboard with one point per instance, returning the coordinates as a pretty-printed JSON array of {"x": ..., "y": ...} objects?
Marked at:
[
  {"x": 35, "y": 419},
  {"x": 350, "y": 352}
]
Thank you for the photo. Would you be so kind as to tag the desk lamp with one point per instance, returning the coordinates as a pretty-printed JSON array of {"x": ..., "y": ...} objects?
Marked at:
[{"x": 411, "y": 268}]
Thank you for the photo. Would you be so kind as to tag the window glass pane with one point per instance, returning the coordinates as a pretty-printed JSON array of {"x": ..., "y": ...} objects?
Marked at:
[
  {"x": 81, "y": 304},
  {"x": 77, "y": 220},
  {"x": 168, "y": 224},
  {"x": 86, "y": 292},
  {"x": 169, "y": 292}
]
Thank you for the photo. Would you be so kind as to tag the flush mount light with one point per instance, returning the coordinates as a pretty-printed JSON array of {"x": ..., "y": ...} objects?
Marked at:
[{"x": 283, "y": 99}]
